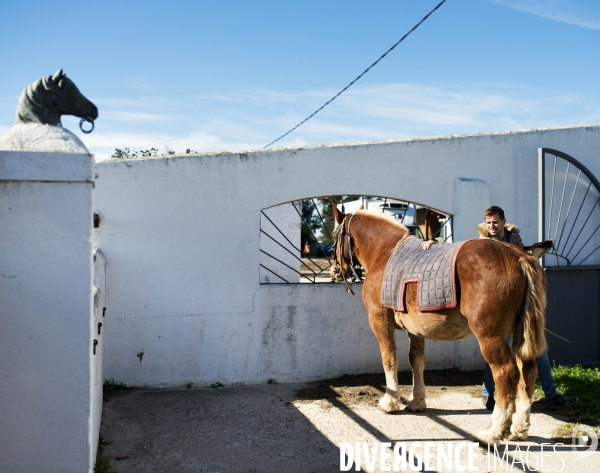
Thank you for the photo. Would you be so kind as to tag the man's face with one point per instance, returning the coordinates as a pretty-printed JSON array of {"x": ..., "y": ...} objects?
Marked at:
[{"x": 495, "y": 226}]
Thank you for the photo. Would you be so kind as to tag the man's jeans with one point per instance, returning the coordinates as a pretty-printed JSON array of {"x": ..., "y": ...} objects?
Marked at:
[{"x": 544, "y": 374}]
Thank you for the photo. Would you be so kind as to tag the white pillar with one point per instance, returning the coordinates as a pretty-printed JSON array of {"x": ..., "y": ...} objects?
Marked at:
[
  {"x": 471, "y": 198},
  {"x": 46, "y": 328}
]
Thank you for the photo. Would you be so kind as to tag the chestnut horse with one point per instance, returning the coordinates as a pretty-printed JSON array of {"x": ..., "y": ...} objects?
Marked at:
[{"x": 501, "y": 291}]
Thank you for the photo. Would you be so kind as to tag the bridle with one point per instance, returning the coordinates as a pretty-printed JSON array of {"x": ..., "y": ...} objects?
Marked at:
[{"x": 337, "y": 272}]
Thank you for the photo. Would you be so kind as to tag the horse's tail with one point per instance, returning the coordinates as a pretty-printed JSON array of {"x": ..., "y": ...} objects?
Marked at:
[{"x": 529, "y": 340}]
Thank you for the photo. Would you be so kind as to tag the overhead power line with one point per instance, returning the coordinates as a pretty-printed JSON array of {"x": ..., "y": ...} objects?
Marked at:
[{"x": 363, "y": 73}]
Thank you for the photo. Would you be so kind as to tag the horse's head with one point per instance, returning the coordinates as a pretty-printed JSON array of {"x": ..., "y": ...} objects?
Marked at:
[
  {"x": 340, "y": 266},
  {"x": 45, "y": 100},
  {"x": 67, "y": 99},
  {"x": 345, "y": 263}
]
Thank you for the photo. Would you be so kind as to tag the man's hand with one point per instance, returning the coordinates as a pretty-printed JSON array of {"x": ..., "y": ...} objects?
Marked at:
[{"x": 427, "y": 244}]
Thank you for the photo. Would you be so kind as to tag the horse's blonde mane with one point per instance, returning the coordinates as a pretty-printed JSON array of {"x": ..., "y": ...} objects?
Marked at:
[
  {"x": 389, "y": 221},
  {"x": 382, "y": 218},
  {"x": 377, "y": 216}
]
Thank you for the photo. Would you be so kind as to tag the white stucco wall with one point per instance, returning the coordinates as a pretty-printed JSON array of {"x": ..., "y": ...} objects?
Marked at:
[
  {"x": 183, "y": 273},
  {"x": 98, "y": 333},
  {"x": 45, "y": 312}
]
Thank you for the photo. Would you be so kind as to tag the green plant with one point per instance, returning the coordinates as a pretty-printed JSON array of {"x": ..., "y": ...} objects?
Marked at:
[
  {"x": 110, "y": 386},
  {"x": 127, "y": 153},
  {"x": 149, "y": 152},
  {"x": 272, "y": 381},
  {"x": 324, "y": 204},
  {"x": 102, "y": 464},
  {"x": 189, "y": 384},
  {"x": 583, "y": 382},
  {"x": 122, "y": 154},
  {"x": 216, "y": 385}
]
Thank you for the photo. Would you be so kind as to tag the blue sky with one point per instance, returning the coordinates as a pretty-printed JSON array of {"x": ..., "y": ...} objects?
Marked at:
[{"x": 231, "y": 75}]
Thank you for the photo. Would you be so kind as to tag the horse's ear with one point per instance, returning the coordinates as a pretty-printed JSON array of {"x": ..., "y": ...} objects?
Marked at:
[
  {"x": 339, "y": 216},
  {"x": 362, "y": 206},
  {"x": 58, "y": 75}
]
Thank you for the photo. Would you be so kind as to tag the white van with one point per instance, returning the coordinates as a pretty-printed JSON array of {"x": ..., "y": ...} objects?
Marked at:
[{"x": 395, "y": 209}]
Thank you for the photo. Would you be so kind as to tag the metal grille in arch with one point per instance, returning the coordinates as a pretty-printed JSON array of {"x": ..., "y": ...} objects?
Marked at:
[
  {"x": 295, "y": 237},
  {"x": 569, "y": 210}
]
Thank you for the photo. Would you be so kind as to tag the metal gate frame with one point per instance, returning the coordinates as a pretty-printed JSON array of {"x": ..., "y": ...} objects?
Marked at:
[
  {"x": 573, "y": 313},
  {"x": 542, "y": 201}
]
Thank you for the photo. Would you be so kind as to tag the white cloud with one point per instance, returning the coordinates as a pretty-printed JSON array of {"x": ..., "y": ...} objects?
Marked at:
[
  {"x": 557, "y": 10},
  {"x": 103, "y": 145},
  {"x": 437, "y": 106},
  {"x": 249, "y": 119},
  {"x": 352, "y": 132}
]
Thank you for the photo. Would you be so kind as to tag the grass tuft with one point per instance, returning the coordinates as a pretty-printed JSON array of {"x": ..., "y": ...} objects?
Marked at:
[
  {"x": 111, "y": 386},
  {"x": 584, "y": 383},
  {"x": 102, "y": 464}
]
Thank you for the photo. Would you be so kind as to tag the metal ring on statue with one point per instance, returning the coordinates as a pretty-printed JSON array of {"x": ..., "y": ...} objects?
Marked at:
[{"x": 81, "y": 125}]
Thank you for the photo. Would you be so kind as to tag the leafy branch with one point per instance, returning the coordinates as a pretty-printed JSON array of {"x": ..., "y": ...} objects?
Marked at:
[{"x": 152, "y": 152}]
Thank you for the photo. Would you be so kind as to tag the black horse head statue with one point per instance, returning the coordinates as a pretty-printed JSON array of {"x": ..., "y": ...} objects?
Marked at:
[{"x": 47, "y": 99}]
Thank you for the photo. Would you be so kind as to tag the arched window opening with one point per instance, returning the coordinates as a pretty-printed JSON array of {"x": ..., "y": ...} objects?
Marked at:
[{"x": 296, "y": 242}]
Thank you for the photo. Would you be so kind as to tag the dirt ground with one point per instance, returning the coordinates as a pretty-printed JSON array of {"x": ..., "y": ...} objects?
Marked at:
[
  {"x": 315, "y": 265},
  {"x": 317, "y": 268},
  {"x": 299, "y": 427},
  {"x": 366, "y": 389}
]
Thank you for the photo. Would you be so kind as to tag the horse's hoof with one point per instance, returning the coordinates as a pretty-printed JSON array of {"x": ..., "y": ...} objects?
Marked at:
[
  {"x": 416, "y": 406},
  {"x": 518, "y": 436},
  {"x": 388, "y": 405},
  {"x": 486, "y": 437}
]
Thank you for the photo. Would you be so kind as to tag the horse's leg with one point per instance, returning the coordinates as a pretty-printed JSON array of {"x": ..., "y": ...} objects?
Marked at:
[
  {"x": 383, "y": 326},
  {"x": 506, "y": 376},
  {"x": 520, "y": 423},
  {"x": 416, "y": 358}
]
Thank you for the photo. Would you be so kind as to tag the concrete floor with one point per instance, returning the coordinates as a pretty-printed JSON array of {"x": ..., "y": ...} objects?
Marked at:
[{"x": 268, "y": 429}]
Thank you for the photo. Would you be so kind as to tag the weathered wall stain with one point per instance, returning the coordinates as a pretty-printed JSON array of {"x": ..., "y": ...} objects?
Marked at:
[{"x": 279, "y": 337}]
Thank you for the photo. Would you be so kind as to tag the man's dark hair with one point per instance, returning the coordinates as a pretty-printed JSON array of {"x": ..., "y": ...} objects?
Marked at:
[{"x": 494, "y": 210}]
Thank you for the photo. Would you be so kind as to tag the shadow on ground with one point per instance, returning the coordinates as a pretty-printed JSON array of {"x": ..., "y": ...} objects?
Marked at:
[
  {"x": 230, "y": 429},
  {"x": 267, "y": 428}
]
